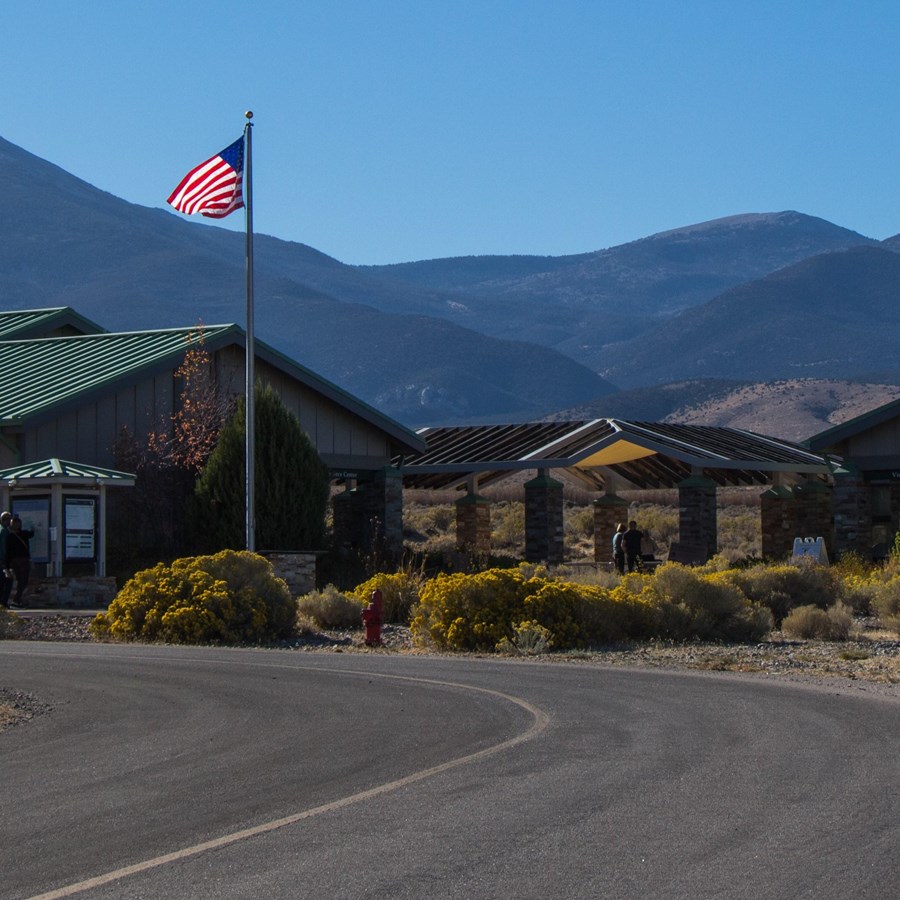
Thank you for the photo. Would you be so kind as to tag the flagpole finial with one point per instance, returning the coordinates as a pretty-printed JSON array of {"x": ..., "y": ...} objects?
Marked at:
[{"x": 249, "y": 114}]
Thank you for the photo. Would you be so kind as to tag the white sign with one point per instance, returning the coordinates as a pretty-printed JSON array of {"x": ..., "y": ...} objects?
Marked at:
[
  {"x": 79, "y": 545},
  {"x": 79, "y": 528}
]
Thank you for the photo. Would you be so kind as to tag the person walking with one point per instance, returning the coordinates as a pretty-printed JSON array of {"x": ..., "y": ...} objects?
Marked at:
[
  {"x": 632, "y": 540},
  {"x": 618, "y": 548},
  {"x": 5, "y": 572},
  {"x": 18, "y": 555}
]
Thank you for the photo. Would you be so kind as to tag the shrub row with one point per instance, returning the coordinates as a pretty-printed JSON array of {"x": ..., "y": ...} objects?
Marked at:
[
  {"x": 235, "y": 597},
  {"x": 487, "y": 610},
  {"x": 502, "y": 607}
]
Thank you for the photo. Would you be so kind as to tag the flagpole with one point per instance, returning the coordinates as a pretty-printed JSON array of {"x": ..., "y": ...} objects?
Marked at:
[{"x": 250, "y": 473}]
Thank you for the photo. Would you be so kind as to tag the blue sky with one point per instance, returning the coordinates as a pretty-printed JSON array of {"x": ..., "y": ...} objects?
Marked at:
[{"x": 413, "y": 129}]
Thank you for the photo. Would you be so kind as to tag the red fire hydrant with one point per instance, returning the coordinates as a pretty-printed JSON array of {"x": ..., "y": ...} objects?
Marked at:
[{"x": 371, "y": 617}]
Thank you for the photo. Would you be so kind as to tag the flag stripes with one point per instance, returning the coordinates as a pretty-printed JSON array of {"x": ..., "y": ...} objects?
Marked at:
[{"x": 215, "y": 187}]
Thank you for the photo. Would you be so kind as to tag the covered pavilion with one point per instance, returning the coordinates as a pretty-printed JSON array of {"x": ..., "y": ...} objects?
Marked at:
[{"x": 610, "y": 455}]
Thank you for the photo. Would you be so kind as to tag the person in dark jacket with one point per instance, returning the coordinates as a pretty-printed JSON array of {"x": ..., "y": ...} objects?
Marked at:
[
  {"x": 18, "y": 556},
  {"x": 5, "y": 572},
  {"x": 632, "y": 540}
]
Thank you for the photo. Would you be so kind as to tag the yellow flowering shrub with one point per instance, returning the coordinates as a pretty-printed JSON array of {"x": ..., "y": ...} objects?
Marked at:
[
  {"x": 231, "y": 597},
  {"x": 399, "y": 592},
  {"x": 469, "y": 612},
  {"x": 489, "y": 609}
]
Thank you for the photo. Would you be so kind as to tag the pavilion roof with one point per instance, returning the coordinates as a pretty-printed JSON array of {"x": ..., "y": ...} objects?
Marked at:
[{"x": 646, "y": 454}]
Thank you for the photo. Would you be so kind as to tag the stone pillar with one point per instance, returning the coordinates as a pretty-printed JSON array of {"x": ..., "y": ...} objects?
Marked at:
[
  {"x": 544, "y": 519},
  {"x": 473, "y": 523},
  {"x": 778, "y": 521},
  {"x": 347, "y": 521},
  {"x": 384, "y": 511},
  {"x": 369, "y": 517},
  {"x": 814, "y": 512},
  {"x": 852, "y": 515},
  {"x": 697, "y": 522},
  {"x": 609, "y": 510}
]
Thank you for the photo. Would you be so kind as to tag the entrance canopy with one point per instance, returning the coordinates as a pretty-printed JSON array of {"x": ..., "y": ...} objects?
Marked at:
[
  {"x": 64, "y": 504},
  {"x": 645, "y": 454}
]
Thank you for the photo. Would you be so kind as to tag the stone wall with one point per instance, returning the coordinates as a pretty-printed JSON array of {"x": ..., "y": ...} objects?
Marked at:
[
  {"x": 83, "y": 592},
  {"x": 852, "y": 516},
  {"x": 298, "y": 569}
]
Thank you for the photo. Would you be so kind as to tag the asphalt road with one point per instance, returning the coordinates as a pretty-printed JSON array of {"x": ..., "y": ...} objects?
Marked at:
[{"x": 185, "y": 772}]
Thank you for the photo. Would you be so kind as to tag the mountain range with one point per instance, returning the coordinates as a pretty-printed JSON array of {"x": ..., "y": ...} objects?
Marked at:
[{"x": 749, "y": 298}]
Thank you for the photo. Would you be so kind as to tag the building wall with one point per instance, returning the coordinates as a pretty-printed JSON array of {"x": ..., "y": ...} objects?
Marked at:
[
  {"x": 88, "y": 433},
  {"x": 881, "y": 440},
  {"x": 343, "y": 439},
  {"x": 867, "y": 497}
]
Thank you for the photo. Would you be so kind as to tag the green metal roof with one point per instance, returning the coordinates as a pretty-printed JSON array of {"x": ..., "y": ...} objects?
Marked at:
[
  {"x": 53, "y": 469},
  {"x": 42, "y": 373},
  {"x": 22, "y": 323}
]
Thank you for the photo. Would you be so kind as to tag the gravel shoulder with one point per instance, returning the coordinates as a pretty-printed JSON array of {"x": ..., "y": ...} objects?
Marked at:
[{"x": 869, "y": 662}]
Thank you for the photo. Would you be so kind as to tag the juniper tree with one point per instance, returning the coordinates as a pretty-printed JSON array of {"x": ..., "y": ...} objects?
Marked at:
[{"x": 291, "y": 484}]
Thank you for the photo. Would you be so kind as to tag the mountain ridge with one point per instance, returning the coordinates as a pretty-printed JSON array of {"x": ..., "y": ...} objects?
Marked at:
[
  {"x": 470, "y": 339},
  {"x": 63, "y": 242}
]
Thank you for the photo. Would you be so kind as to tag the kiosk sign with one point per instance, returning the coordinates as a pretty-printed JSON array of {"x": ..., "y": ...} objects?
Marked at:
[
  {"x": 80, "y": 528},
  {"x": 35, "y": 515}
]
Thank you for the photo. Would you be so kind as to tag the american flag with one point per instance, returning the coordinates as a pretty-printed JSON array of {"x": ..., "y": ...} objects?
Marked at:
[{"x": 214, "y": 188}]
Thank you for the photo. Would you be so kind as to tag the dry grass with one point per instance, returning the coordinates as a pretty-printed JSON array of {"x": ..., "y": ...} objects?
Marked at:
[
  {"x": 429, "y": 521},
  {"x": 8, "y": 715}
]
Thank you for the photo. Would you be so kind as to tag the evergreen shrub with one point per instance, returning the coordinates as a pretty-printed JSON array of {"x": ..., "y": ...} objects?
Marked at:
[{"x": 231, "y": 597}]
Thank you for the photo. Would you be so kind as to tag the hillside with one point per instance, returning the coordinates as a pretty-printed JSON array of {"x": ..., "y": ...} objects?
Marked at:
[
  {"x": 63, "y": 242},
  {"x": 835, "y": 315},
  {"x": 748, "y": 298},
  {"x": 794, "y": 410},
  {"x": 580, "y": 304}
]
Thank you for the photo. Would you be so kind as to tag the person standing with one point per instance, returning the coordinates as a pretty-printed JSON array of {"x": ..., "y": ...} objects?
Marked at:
[
  {"x": 632, "y": 540},
  {"x": 5, "y": 572},
  {"x": 18, "y": 555},
  {"x": 618, "y": 548}
]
